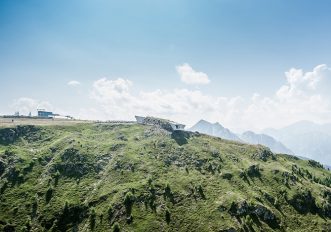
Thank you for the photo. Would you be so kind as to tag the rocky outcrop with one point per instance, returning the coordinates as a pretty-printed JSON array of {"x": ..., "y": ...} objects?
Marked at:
[
  {"x": 304, "y": 202},
  {"x": 264, "y": 154},
  {"x": 10, "y": 135},
  {"x": 240, "y": 209},
  {"x": 7, "y": 135},
  {"x": 73, "y": 164},
  {"x": 162, "y": 123},
  {"x": 265, "y": 215}
]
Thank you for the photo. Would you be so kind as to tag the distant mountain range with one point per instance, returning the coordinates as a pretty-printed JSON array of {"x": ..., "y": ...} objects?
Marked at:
[
  {"x": 216, "y": 129},
  {"x": 306, "y": 139},
  {"x": 266, "y": 140}
]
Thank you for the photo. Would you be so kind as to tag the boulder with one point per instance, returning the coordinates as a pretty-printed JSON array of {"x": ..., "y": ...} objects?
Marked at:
[
  {"x": 265, "y": 215},
  {"x": 239, "y": 209},
  {"x": 264, "y": 154}
]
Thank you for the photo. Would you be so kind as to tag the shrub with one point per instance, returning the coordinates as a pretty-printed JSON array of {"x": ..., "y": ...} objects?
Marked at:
[
  {"x": 34, "y": 206},
  {"x": 167, "y": 216},
  {"x": 56, "y": 177},
  {"x": 65, "y": 208},
  {"x": 200, "y": 190},
  {"x": 116, "y": 227},
  {"x": 167, "y": 190},
  {"x": 129, "y": 219},
  {"x": 27, "y": 226},
  {"x": 110, "y": 212},
  {"x": 92, "y": 219},
  {"x": 253, "y": 171},
  {"x": 128, "y": 202},
  {"x": 315, "y": 164},
  {"x": 49, "y": 194}
]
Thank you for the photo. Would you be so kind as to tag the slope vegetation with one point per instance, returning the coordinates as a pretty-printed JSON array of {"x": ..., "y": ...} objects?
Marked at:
[{"x": 112, "y": 177}]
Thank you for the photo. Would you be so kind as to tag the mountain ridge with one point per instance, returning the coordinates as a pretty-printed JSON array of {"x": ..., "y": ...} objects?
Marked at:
[
  {"x": 307, "y": 139},
  {"x": 216, "y": 129}
]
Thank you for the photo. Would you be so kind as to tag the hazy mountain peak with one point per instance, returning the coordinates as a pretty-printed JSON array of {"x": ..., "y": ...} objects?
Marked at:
[
  {"x": 266, "y": 140},
  {"x": 306, "y": 138},
  {"x": 214, "y": 129}
]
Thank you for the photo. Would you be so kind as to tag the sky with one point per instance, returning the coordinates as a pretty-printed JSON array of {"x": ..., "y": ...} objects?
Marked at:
[{"x": 248, "y": 64}]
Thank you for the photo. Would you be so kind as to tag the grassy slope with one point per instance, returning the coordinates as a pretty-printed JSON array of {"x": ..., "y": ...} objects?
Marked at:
[{"x": 93, "y": 167}]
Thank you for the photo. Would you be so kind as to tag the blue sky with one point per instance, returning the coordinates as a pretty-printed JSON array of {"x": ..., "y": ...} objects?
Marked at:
[{"x": 244, "y": 47}]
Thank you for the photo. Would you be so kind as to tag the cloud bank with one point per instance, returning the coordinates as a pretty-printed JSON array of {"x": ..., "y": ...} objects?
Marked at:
[{"x": 303, "y": 96}]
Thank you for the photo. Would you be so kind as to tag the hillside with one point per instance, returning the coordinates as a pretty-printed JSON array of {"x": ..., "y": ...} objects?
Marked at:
[{"x": 121, "y": 177}]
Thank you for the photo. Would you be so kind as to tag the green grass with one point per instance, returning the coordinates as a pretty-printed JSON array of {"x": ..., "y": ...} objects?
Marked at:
[{"x": 94, "y": 166}]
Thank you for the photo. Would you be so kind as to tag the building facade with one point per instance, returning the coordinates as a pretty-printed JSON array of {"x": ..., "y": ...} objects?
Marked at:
[{"x": 45, "y": 114}]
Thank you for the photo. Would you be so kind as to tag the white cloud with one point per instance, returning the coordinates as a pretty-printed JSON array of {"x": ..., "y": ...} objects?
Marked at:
[
  {"x": 304, "y": 96},
  {"x": 74, "y": 83},
  {"x": 26, "y": 105},
  {"x": 189, "y": 76}
]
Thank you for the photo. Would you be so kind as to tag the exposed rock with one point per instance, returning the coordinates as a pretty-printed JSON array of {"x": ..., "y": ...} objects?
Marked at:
[
  {"x": 304, "y": 202},
  {"x": 264, "y": 154},
  {"x": 240, "y": 209},
  {"x": 73, "y": 164},
  {"x": 289, "y": 178},
  {"x": 265, "y": 215},
  {"x": 164, "y": 124},
  {"x": 10, "y": 135}
]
